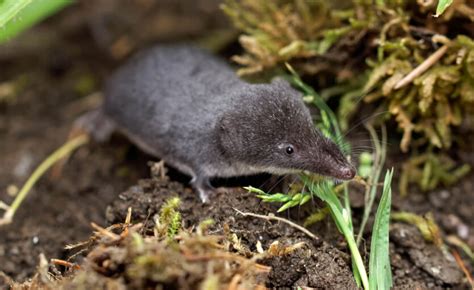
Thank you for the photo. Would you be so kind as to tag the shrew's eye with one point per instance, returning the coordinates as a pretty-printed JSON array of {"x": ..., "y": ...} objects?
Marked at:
[{"x": 289, "y": 150}]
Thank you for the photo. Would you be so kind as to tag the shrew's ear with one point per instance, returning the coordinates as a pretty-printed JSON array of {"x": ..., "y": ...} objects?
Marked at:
[
  {"x": 228, "y": 132},
  {"x": 284, "y": 87}
]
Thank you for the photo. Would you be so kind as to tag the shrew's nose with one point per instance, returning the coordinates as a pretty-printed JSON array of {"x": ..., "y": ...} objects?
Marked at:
[{"x": 348, "y": 172}]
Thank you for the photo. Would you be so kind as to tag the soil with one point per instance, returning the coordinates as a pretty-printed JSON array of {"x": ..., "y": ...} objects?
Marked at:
[{"x": 101, "y": 181}]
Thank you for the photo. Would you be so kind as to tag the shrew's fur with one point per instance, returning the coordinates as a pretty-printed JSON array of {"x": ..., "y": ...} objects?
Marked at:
[{"x": 188, "y": 107}]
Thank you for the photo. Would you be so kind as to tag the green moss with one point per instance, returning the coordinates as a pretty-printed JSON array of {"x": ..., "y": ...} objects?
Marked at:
[{"x": 369, "y": 50}]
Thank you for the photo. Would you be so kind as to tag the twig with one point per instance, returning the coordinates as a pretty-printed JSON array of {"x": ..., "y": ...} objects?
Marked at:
[
  {"x": 128, "y": 218},
  {"x": 105, "y": 232},
  {"x": 234, "y": 283},
  {"x": 456, "y": 241},
  {"x": 64, "y": 150},
  {"x": 81, "y": 251},
  {"x": 65, "y": 264},
  {"x": 461, "y": 265},
  {"x": 127, "y": 223},
  {"x": 73, "y": 246},
  {"x": 280, "y": 219},
  {"x": 430, "y": 61},
  {"x": 226, "y": 256}
]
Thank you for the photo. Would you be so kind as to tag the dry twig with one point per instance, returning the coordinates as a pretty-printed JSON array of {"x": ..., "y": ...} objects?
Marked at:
[
  {"x": 226, "y": 256},
  {"x": 280, "y": 219},
  {"x": 424, "y": 66},
  {"x": 461, "y": 265},
  {"x": 65, "y": 264}
]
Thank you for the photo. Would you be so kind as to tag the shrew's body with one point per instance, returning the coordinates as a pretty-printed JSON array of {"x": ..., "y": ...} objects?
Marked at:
[{"x": 188, "y": 107}]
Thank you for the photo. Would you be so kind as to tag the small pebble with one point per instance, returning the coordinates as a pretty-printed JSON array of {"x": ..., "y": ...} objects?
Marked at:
[
  {"x": 12, "y": 190},
  {"x": 23, "y": 167}
]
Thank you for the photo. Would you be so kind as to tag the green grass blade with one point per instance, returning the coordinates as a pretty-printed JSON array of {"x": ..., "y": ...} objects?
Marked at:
[
  {"x": 324, "y": 191},
  {"x": 371, "y": 192},
  {"x": 10, "y": 8},
  {"x": 442, "y": 6},
  {"x": 379, "y": 264},
  {"x": 347, "y": 207},
  {"x": 18, "y": 15}
]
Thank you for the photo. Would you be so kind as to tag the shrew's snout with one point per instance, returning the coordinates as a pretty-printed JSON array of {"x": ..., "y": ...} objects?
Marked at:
[
  {"x": 335, "y": 164},
  {"x": 347, "y": 172}
]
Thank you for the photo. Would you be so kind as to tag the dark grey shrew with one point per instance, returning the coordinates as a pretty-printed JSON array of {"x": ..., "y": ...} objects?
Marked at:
[{"x": 189, "y": 108}]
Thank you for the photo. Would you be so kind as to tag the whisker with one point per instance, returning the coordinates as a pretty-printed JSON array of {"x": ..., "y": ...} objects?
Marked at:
[
  {"x": 293, "y": 181},
  {"x": 368, "y": 140},
  {"x": 340, "y": 138},
  {"x": 358, "y": 100},
  {"x": 278, "y": 182},
  {"x": 362, "y": 147}
]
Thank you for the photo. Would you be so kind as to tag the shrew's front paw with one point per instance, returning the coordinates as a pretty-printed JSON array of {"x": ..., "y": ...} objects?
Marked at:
[
  {"x": 204, "y": 194},
  {"x": 203, "y": 188}
]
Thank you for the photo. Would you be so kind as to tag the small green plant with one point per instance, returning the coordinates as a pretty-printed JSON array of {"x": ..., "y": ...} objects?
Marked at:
[
  {"x": 19, "y": 15},
  {"x": 168, "y": 222},
  {"x": 380, "y": 276},
  {"x": 429, "y": 170},
  {"x": 425, "y": 224}
]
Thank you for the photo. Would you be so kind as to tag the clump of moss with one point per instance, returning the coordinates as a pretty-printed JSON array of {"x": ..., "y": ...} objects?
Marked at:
[
  {"x": 394, "y": 54},
  {"x": 169, "y": 221},
  {"x": 434, "y": 101},
  {"x": 428, "y": 171},
  {"x": 128, "y": 255},
  {"x": 280, "y": 31}
]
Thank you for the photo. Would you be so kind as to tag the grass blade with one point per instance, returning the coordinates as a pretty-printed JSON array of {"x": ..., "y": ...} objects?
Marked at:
[
  {"x": 371, "y": 192},
  {"x": 379, "y": 264},
  {"x": 10, "y": 8},
  {"x": 324, "y": 191},
  {"x": 442, "y": 6},
  {"x": 18, "y": 15}
]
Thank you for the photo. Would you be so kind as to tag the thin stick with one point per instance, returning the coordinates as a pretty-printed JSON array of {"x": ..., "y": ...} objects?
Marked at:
[
  {"x": 128, "y": 218},
  {"x": 461, "y": 265},
  {"x": 226, "y": 256},
  {"x": 430, "y": 61},
  {"x": 73, "y": 246},
  {"x": 105, "y": 232},
  {"x": 65, "y": 264},
  {"x": 64, "y": 150},
  {"x": 275, "y": 218},
  {"x": 234, "y": 283}
]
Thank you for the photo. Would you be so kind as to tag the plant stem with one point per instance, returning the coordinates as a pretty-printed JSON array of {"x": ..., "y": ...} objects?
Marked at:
[
  {"x": 57, "y": 155},
  {"x": 349, "y": 235},
  {"x": 380, "y": 152}
]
